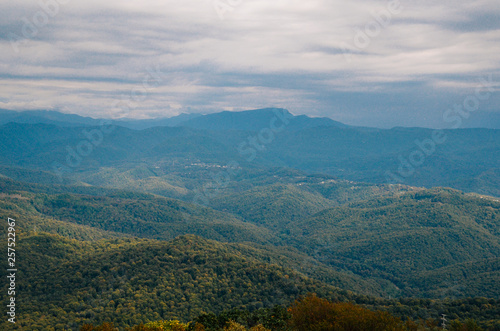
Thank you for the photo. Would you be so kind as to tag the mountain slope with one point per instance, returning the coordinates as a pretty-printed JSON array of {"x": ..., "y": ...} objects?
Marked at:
[
  {"x": 73, "y": 212},
  {"x": 66, "y": 282},
  {"x": 402, "y": 238},
  {"x": 280, "y": 205},
  {"x": 379, "y": 156},
  {"x": 127, "y": 213},
  {"x": 393, "y": 243},
  {"x": 272, "y": 206}
]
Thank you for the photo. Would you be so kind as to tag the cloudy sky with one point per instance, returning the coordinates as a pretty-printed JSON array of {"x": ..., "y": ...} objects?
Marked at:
[{"x": 373, "y": 63}]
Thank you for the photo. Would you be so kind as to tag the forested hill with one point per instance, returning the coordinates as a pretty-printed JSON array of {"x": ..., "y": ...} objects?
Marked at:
[
  {"x": 434, "y": 235},
  {"x": 122, "y": 212},
  {"x": 433, "y": 232},
  {"x": 169, "y": 222},
  {"x": 65, "y": 283},
  {"x": 421, "y": 243}
]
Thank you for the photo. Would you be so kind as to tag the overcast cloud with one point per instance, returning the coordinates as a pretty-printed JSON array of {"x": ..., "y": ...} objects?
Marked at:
[{"x": 93, "y": 57}]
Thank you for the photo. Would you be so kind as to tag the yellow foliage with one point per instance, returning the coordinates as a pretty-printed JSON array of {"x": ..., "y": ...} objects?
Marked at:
[
  {"x": 259, "y": 328},
  {"x": 103, "y": 327},
  {"x": 199, "y": 327},
  {"x": 161, "y": 326},
  {"x": 233, "y": 326},
  {"x": 315, "y": 314},
  {"x": 173, "y": 325}
]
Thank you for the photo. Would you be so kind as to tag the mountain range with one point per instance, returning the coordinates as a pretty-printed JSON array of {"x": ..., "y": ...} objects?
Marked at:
[
  {"x": 466, "y": 159},
  {"x": 246, "y": 120},
  {"x": 135, "y": 221}
]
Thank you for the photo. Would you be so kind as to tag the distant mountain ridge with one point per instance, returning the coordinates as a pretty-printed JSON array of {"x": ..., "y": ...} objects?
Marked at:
[
  {"x": 45, "y": 117},
  {"x": 467, "y": 160},
  {"x": 256, "y": 120},
  {"x": 73, "y": 120},
  {"x": 250, "y": 120}
]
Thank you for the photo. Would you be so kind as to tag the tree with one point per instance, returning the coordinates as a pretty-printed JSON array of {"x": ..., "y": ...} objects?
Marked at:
[{"x": 315, "y": 314}]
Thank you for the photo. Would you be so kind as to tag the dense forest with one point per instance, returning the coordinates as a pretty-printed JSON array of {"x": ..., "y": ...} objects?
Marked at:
[
  {"x": 171, "y": 228},
  {"x": 422, "y": 243},
  {"x": 65, "y": 283},
  {"x": 306, "y": 314}
]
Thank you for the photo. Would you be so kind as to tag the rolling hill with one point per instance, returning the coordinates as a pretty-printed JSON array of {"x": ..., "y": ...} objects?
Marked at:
[
  {"x": 144, "y": 216},
  {"x": 397, "y": 244},
  {"x": 406, "y": 237},
  {"x": 65, "y": 283},
  {"x": 220, "y": 211}
]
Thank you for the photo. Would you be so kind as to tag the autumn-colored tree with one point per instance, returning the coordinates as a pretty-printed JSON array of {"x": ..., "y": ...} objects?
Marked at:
[
  {"x": 142, "y": 327},
  {"x": 233, "y": 326},
  {"x": 173, "y": 325},
  {"x": 316, "y": 314},
  {"x": 259, "y": 327},
  {"x": 199, "y": 327},
  {"x": 102, "y": 327}
]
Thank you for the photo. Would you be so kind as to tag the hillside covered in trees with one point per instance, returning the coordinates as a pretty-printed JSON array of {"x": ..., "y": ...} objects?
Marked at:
[
  {"x": 173, "y": 223},
  {"x": 422, "y": 243},
  {"x": 66, "y": 283}
]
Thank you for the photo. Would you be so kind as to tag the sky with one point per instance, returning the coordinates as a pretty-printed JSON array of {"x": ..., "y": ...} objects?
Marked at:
[{"x": 371, "y": 63}]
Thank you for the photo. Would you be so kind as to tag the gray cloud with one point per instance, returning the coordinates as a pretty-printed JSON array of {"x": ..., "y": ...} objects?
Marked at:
[{"x": 309, "y": 57}]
